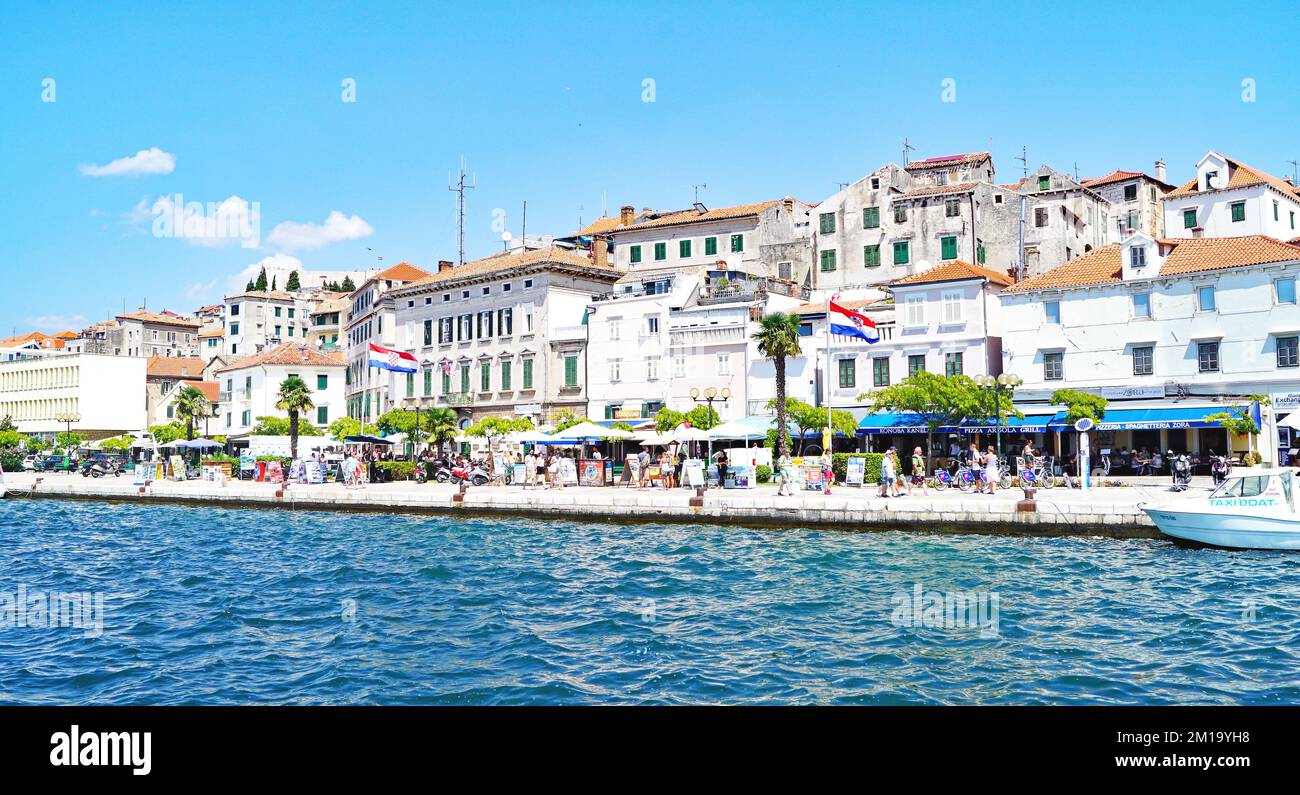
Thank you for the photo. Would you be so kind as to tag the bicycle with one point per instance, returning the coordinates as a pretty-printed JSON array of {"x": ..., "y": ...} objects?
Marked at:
[
  {"x": 963, "y": 477},
  {"x": 1037, "y": 473}
]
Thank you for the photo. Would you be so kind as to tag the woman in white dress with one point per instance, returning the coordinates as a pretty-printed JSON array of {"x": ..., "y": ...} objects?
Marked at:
[{"x": 991, "y": 469}]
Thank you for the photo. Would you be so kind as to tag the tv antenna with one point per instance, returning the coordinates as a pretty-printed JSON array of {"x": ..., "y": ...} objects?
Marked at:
[
  {"x": 907, "y": 150},
  {"x": 459, "y": 187},
  {"x": 1295, "y": 177},
  {"x": 697, "y": 188}
]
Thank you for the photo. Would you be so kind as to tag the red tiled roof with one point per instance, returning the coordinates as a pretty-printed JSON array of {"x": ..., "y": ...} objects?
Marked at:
[
  {"x": 288, "y": 354},
  {"x": 935, "y": 190},
  {"x": 210, "y": 389},
  {"x": 402, "y": 272},
  {"x": 1193, "y": 255},
  {"x": 947, "y": 161},
  {"x": 1240, "y": 176},
  {"x": 154, "y": 317},
  {"x": 696, "y": 216},
  {"x": 173, "y": 367},
  {"x": 957, "y": 270},
  {"x": 516, "y": 259}
]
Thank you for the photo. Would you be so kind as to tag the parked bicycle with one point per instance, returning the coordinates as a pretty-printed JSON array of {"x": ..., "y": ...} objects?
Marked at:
[
  {"x": 1037, "y": 473},
  {"x": 959, "y": 475}
]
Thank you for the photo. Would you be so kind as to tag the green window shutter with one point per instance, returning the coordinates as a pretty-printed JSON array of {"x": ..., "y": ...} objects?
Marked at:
[
  {"x": 827, "y": 223},
  {"x": 661, "y": 251},
  {"x": 410, "y": 384},
  {"x": 446, "y": 382},
  {"x": 900, "y": 252},
  {"x": 880, "y": 371},
  {"x": 1044, "y": 183},
  {"x": 848, "y": 373},
  {"x": 1239, "y": 211},
  {"x": 871, "y": 256},
  {"x": 871, "y": 218},
  {"x": 737, "y": 243},
  {"x": 528, "y": 373},
  {"x": 505, "y": 375},
  {"x": 979, "y": 252},
  {"x": 828, "y": 260},
  {"x": 428, "y": 382},
  {"x": 570, "y": 370},
  {"x": 322, "y": 415},
  {"x": 485, "y": 377},
  {"x": 684, "y": 249},
  {"x": 464, "y": 378},
  {"x": 322, "y": 383},
  {"x": 710, "y": 246},
  {"x": 949, "y": 246},
  {"x": 635, "y": 252}
]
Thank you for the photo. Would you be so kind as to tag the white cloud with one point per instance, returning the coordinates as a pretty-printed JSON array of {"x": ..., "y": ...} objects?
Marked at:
[
  {"x": 57, "y": 322},
  {"x": 234, "y": 220},
  {"x": 338, "y": 227},
  {"x": 277, "y": 265},
  {"x": 200, "y": 289},
  {"x": 146, "y": 161}
]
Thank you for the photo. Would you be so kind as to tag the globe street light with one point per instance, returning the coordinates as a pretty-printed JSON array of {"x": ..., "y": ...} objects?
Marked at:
[
  {"x": 709, "y": 395},
  {"x": 1007, "y": 381},
  {"x": 68, "y": 418}
]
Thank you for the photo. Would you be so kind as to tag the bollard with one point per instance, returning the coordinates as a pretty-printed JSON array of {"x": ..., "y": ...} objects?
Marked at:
[
  {"x": 1027, "y": 505},
  {"x": 698, "y": 500}
]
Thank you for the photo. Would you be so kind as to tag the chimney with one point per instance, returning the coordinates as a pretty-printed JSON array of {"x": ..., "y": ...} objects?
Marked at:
[
  {"x": 600, "y": 250},
  {"x": 444, "y": 265},
  {"x": 625, "y": 214},
  {"x": 1160, "y": 170},
  {"x": 788, "y": 201}
]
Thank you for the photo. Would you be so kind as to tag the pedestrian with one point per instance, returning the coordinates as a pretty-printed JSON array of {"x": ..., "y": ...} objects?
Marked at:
[
  {"x": 887, "y": 473},
  {"x": 785, "y": 476},
  {"x": 918, "y": 473},
  {"x": 991, "y": 469},
  {"x": 828, "y": 471},
  {"x": 643, "y": 468}
]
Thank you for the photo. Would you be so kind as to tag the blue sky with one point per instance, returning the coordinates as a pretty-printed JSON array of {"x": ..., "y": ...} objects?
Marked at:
[{"x": 545, "y": 101}]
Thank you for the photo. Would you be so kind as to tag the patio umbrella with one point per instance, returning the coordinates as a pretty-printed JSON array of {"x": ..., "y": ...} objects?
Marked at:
[
  {"x": 589, "y": 430},
  {"x": 362, "y": 438},
  {"x": 736, "y": 430},
  {"x": 655, "y": 440},
  {"x": 204, "y": 444}
]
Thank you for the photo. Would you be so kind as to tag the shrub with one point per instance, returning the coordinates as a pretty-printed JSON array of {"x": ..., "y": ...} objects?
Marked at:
[
  {"x": 839, "y": 465},
  {"x": 11, "y": 461},
  {"x": 763, "y": 474},
  {"x": 397, "y": 470}
]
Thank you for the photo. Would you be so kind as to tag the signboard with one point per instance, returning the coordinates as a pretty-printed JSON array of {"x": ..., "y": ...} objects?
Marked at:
[
  {"x": 631, "y": 470},
  {"x": 855, "y": 471},
  {"x": 178, "y": 467},
  {"x": 519, "y": 474},
  {"x": 568, "y": 472},
  {"x": 693, "y": 472},
  {"x": 1286, "y": 400},
  {"x": 739, "y": 477},
  {"x": 591, "y": 472},
  {"x": 1132, "y": 392},
  {"x": 315, "y": 472},
  {"x": 814, "y": 478},
  {"x": 627, "y": 414},
  {"x": 528, "y": 408}
]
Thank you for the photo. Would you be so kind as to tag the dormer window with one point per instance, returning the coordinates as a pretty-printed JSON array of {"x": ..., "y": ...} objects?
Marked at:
[
  {"x": 1210, "y": 176},
  {"x": 1045, "y": 182},
  {"x": 1137, "y": 256}
]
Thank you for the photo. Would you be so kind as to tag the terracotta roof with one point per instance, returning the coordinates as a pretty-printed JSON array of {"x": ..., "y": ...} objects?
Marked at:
[
  {"x": 210, "y": 389},
  {"x": 23, "y": 339},
  {"x": 696, "y": 216},
  {"x": 934, "y": 190},
  {"x": 402, "y": 272},
  {"x": 1013, "y": 186},
  {"x": 173, "y": 367},
  {"x": 1191, "y": 255},
  {"x": 1240, "y": 176},
  {"x": 602, "y": 224},
  {"x": 1120, "y": 176},
  {"x": 331, "y": 305},
  {"x": 516, "y": 259},
  {"x": 288, "y": 354},
  {"x": 1216, "y": 253},
  {"x": 947, "y": 161},
  {"x": 154, "y": 317},
  {"x": 274, "y": 295},
  {"x": 955, "y": 271},
  {"x": 848, "y": 303},
  {"x": 212, "y": 331}
]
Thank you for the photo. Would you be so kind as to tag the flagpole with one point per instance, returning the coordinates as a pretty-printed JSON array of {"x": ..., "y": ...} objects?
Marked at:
[{"x": 829, "y": 440}]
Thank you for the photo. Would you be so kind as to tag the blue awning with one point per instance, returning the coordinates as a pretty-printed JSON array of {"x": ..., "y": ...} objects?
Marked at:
[
  {"x": 1030, "y": 423},
  {"x": 1157, "y": 419},
  {"x": 895, "y": 423}
]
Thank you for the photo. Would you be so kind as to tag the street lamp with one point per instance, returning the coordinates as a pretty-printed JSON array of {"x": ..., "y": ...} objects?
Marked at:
[
  {"x": 709, "y": 395},
  {"x": 1007, "y": 381},
  {"x": 68, "y": 418},
  {"x": 414, "y": 404}
]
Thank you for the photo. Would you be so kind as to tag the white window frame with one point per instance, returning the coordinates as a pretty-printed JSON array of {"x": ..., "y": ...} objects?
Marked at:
[
  {"x": 914, "y": 311},
  {"x": 724, "y": 363},
  {"x": 952, "y": 308}
]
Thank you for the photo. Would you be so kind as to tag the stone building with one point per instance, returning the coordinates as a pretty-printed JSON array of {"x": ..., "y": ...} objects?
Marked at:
[{"x": 1137, "y": 201}]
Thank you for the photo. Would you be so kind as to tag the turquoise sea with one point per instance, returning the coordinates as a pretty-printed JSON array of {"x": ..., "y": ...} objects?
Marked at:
[{"x": 234, "y": 606}]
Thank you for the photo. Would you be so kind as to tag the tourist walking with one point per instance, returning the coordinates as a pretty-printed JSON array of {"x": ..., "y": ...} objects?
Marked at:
[
  {"x": 785, "y": 476},
  {"x": 918, "y": 473},
  {"x": 887, "y": 473},
  {"x": 643, "y": 468},
  {"x": 991, "y": 469}
]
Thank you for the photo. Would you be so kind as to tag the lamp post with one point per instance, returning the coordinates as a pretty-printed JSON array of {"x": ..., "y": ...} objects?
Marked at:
[
  {"x": 707, "y": 396},
  {"x": 414, "y": 404},
  {"x": 1007, "y": 381},
  {"x": 68, "y": 418}
]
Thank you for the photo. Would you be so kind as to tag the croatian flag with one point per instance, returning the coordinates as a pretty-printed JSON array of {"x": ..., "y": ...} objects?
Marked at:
[
  {"x": 854, "y": 324},
  {"x": 386, "y": 359}
]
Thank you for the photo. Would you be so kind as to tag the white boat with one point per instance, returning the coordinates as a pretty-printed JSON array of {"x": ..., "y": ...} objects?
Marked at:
[
  {"x": 2, "y": 482},
  {"x": 1253, "y": 508}
]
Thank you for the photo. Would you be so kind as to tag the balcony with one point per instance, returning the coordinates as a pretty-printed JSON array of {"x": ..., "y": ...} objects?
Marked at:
[
  {"x": 568, "y": 333},
  {"x": 706, "y": 335},
  {"x": 457, "y": 398}
]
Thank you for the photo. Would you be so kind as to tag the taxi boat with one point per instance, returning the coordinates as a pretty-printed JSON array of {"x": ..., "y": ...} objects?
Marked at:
[{"x": 1253, "y": 508}]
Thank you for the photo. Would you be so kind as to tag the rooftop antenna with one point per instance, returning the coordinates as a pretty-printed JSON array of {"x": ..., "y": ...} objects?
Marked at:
[
  {"x": 459, "y": 187},
  {"x": 1295, "y": 176},
  {"x": 1076, "y": 171},
  {"x": 697, "y": 191},
  {"x": 603, "y": 204},
  {"x": 523, "y": 229},
  {"x": 842, "y": 185},
  {"x": 907, "y": 150},
  {"x": 580, "y": 209}
]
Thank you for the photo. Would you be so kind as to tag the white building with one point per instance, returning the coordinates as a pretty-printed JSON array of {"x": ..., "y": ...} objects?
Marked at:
[
  {"x": 250, "y": 385},
  {"x": 1167, "y": 330},
  {"x": 165, "y": 410},
  {"x": 107, "y": 393},
  {"x": 505, "y": 335},
  {"x": 372, "y": 318},
  {"x": 1230, "y": 199}
]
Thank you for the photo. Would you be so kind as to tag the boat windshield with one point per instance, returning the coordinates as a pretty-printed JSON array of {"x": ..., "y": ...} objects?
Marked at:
[{"x": 1249, "y": 486}]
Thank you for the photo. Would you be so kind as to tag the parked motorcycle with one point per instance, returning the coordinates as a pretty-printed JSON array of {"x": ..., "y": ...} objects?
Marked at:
[
  {"x": 99, "y": 467},
  {"x": 468, "y": 473},
  {"x": 1181, "y": 468},
  {"x": 1219, "y": 468}
]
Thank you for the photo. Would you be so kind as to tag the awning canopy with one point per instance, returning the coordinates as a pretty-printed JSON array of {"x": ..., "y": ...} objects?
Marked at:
[
  {"x": 1030, "y": 423},
  {"x": 1158, "y": 419},
  {"x": 895, "y": 423}
]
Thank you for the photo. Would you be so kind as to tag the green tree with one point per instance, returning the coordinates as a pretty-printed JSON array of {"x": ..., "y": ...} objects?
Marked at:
[
  {"x": 11, "y": 440},
  {"x": 71, "y": 441},
  {"x": 778, "y": 340},
  {"x": 566, "y": 419},
  {"x": 1238, "y": 420},
  {"x": 807, "y": 417},
  {"x": 291, "y": 283},
  {"x": 703, "y": 417},
  {"x": 36, "y": 444},
  {"x": 441, "y": 425},
  {"x": 121, "y": 443},
  {"x": 294, "y": 398},
  {"x": 1080, "y": 405},
  {"x": 270, "y": 425},
  {"x": 347, "y": 286},
  {"x": 261, "y": 283},
  {"x": 493, "y": 428},
  {"x": 344, "y": 427},
  {"x": 667, "y": 419},
  {"x": 191, "y": 405},
  {"x": 8, "y": 424},
  {"x": 250, "y": 287},
  {"x": 167, "y": 433},
  {"x": 938, "y": 401}
]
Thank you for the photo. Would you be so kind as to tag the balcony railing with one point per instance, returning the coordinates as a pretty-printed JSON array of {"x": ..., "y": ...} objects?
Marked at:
[
  {"x": 563, "y": 333},
  {"x": 457, "y": 398}
]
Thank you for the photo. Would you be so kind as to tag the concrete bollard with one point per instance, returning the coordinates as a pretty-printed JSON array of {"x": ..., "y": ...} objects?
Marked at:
[{"x": 1028, "y": 504}]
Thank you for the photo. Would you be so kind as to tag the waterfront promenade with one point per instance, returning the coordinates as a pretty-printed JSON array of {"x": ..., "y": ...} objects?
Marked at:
[{"x": 1109, "y": 511}]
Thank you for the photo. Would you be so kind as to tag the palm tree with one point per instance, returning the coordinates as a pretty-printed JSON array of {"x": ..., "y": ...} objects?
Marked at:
[
  {"x": 295, "y": 398},
  {"x": 778, "y": 339},
  {"x": 441, "y": 425},
  {"x": 191, "y": 405}
]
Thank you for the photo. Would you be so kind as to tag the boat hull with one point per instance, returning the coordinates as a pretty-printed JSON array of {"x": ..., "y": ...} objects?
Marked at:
[{"x": 1234, "y": 531}]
